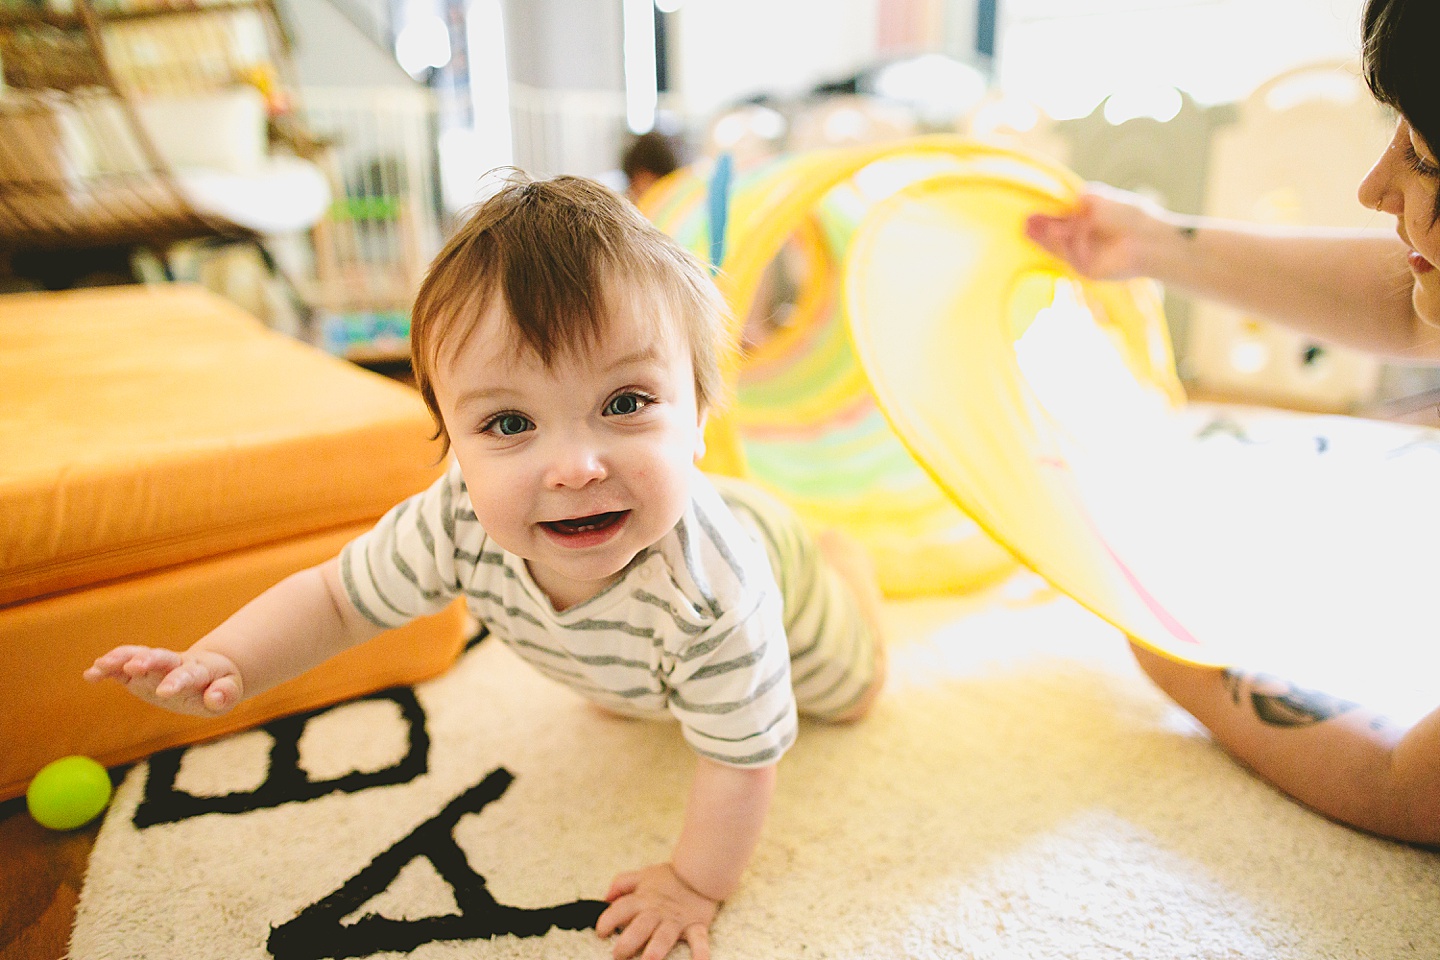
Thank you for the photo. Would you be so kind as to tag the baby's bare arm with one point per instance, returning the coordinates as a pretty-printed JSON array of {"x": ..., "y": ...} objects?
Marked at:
[
  {"x": 295, "y": 625},
  {"x": 726, "y": 812},
  {"x": 658, "y": 906}
]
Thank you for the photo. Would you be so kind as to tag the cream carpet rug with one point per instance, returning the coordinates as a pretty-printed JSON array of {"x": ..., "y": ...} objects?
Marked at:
[{"x": 1020, "y": 792}]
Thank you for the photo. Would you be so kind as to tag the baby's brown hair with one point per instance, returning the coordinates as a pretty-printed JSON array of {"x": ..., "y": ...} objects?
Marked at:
[{"x": 561, "y": 252}]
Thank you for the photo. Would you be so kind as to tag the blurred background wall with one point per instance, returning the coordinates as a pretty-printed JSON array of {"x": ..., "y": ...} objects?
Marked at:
[{"x": 1240, "y": 108}]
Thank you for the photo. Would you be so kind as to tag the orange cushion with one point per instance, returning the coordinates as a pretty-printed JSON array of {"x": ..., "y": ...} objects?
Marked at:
[
  {"x": 148, "y": 427},
  {"x": 47, "y": 711},
  {"x": 166, "y": 459}
]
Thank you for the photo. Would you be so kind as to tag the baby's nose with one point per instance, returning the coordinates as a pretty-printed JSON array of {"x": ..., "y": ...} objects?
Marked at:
[{"x": 575, "y": 465}]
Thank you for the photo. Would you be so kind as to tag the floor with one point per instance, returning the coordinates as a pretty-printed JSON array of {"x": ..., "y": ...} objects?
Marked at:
[{"x": 41, "y": 872}]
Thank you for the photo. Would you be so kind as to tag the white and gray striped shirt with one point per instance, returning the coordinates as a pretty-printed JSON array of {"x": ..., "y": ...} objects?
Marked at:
[{"x": 694, "y": 628}]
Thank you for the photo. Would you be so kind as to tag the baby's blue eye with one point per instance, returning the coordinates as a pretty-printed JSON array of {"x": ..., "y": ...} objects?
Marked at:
[
  {"x": 625, "y": 404},
  {"x": 509, "y": 424}
]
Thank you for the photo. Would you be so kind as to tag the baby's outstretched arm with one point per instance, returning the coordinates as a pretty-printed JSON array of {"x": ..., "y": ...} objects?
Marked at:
[
  {"x": 660, "y": 905},
  {"x": 295, "y": 625}
]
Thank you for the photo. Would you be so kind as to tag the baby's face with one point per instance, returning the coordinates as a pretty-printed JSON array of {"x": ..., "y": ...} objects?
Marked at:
[{"x": 579, "y": 467}]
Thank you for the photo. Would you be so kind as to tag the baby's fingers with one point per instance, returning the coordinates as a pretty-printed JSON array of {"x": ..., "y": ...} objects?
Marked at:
[
  {"x": 635, "y": 936},
  {"x": 662, "y": 941},
  {"x": 698, "y": 936},
  {"x": 622, "y": 884},
  {"x": 616, "y": 916},
  {"x": 201, "y": 685},
  {"x": 112, "y": 665},
  {"x": 150, "y": 660},
  {"x": 185, "y": 676},
  {"x": 222, "y": 694}
]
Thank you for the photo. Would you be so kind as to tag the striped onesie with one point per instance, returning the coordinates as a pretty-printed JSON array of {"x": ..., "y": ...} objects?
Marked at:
[{"x": 696, "y": 628}]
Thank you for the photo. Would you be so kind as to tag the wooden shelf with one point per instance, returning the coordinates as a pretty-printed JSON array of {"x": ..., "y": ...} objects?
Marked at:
[
  {"x": 15, "y": 15},
  {"x": 22, "y": 17},
  {"x": 150, "y": 13}
]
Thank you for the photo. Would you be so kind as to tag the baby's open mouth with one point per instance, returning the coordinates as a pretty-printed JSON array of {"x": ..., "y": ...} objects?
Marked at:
[{"x": 595, "y": 521}]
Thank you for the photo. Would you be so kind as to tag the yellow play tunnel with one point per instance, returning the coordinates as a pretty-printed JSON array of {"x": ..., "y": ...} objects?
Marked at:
[
  {"x": 949, "y": 393},
  {"x": 805, "y": 423},
  {"x": 1047, "y": 407}
]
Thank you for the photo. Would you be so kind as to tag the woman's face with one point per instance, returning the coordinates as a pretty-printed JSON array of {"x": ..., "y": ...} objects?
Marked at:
[{"x": 1403, "y": 183}]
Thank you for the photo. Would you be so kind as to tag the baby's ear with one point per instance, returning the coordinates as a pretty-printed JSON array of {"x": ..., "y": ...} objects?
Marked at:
[{"x": 700, "y": 435}]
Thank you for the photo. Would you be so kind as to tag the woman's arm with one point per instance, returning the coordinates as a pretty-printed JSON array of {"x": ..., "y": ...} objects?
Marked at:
[
  {"x": 1348, "y": 287},
  {"x": 1332, "y": 755}
]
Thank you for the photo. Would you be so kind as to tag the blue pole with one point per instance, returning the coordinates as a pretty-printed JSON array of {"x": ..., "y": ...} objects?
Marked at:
[
  {"x": 987, "y": 13},
  {"x": 719, "y": 196}
]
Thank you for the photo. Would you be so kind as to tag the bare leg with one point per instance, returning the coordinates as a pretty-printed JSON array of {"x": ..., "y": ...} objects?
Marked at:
[
  {"x": 1335, "y": 756},
  {"x": 851, "y": 561}
]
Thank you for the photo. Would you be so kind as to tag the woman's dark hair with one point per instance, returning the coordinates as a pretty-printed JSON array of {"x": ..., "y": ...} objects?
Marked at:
[
  {"x": 1401, "y": 65},
  {"x": 1401, "y": 68}
]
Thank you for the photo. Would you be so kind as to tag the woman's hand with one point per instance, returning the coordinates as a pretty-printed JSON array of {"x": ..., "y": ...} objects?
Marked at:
[{"x": 1105, "y": 235}]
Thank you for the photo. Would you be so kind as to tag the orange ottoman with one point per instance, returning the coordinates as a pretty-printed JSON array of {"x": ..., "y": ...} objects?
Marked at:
[{"x": 163, "y": 459}]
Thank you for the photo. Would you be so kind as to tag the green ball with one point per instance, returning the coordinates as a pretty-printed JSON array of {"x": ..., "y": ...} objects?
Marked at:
[{"x": 68, "y": 793}]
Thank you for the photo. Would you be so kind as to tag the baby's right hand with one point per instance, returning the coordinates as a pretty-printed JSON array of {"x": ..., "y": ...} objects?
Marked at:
[{"x": 203, "y": 683}]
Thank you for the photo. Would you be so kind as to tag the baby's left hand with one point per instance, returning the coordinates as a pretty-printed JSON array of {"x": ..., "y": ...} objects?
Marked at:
[{"x": 656, "y": 910}]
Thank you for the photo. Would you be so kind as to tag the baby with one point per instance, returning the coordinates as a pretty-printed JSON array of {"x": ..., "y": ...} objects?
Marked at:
[{"x": 569, "y": 352}]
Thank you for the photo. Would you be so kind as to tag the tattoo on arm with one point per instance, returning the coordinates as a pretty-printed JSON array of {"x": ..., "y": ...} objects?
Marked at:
[
  {"x": 1293, "y": 706},
  {"x": 1189, "y": 232},
  {"x": 1233, "y": 679}
]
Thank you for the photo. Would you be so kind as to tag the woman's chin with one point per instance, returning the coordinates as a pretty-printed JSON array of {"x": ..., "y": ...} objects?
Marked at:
[{"x": 1425, "y": 297}]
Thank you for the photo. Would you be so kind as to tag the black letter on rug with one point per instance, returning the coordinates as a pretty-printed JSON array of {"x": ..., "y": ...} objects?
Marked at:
[
  {"x": 317, "y": 932},
  {"x": 286, "y": 781}
]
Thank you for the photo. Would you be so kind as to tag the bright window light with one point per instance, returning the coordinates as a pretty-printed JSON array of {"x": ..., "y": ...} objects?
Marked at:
[
  {"x": 489, "y": 93},
  {"x": 940, "y": 88},
  {"x": 1160, "y": 103},
  {"x": 423, "y": 43},
  {"x": 1249, "y": 356},
  {"x": 1334, "y": 86},
  {"x": 1006, "y": 114},
  {"x": 749, "y": 122},
  {"x": 641, "y": 95}
]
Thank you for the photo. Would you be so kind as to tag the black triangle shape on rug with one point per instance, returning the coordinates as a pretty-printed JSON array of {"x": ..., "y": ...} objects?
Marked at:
[{"x": 317, "y": 932}]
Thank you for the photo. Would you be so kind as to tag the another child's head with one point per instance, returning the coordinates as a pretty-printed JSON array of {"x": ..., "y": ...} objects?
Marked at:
[
  {"x": 649, "y": 157},
  {"x": 569, "y": 351}
]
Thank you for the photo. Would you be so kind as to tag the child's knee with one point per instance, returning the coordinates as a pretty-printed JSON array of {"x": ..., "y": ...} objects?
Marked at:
[
  {"x": 852, "y": 564},
  {"x": 851, "y": 561}
]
